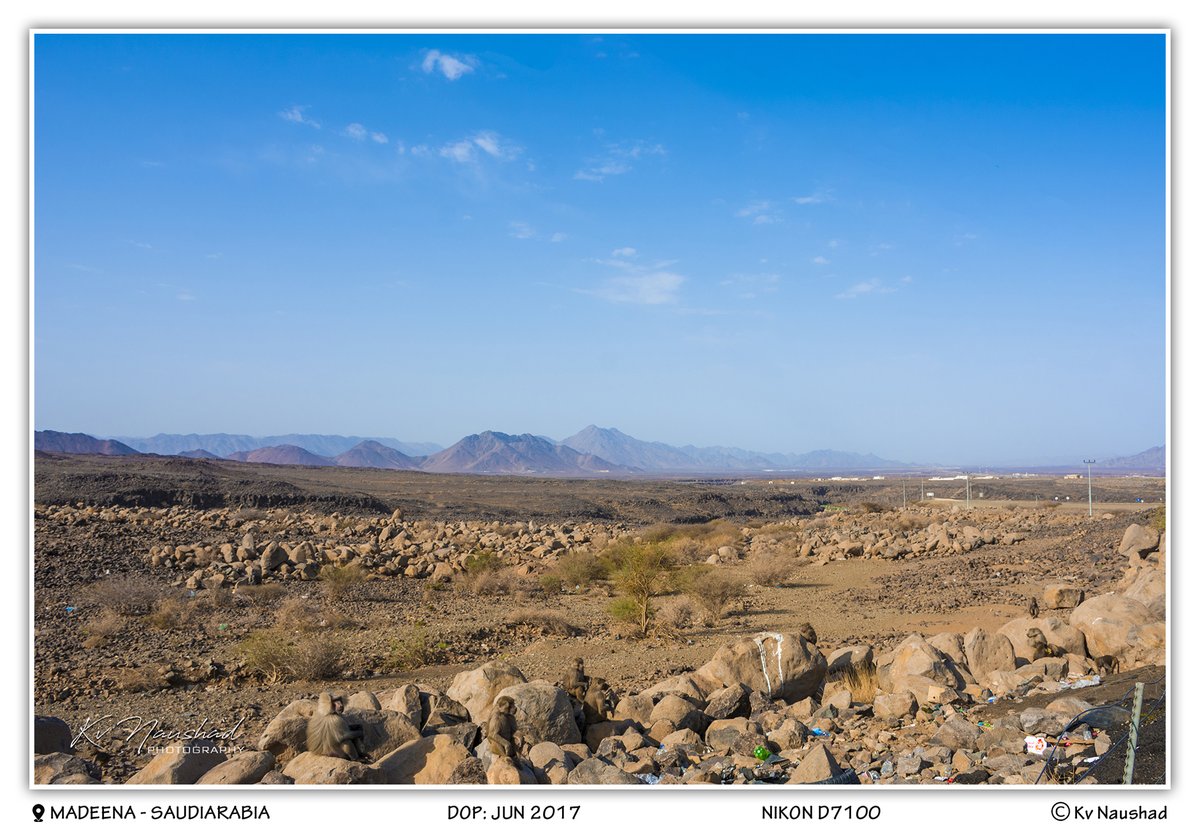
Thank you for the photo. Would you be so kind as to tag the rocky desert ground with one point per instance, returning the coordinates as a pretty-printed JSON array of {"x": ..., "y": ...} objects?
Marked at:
[{"x": 188, "y": 616}]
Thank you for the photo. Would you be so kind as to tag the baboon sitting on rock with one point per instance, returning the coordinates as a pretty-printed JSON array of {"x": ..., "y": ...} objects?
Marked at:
[
  {"x": 1107, "y": 665},
  {"x": 575, "y": 682},
  {"x": 1041, "y": 647},
  {"x": 328, "y": 732},
  {"x": 595, "y": 702},
  {"x": 1034, "y": 608},
  {"x": 500, "y": 730}
]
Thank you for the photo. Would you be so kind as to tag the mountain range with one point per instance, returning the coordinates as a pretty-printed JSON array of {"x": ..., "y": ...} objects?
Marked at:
[
  {"x": 223, "y": 444},
  {"x": 593, "y": 451}
]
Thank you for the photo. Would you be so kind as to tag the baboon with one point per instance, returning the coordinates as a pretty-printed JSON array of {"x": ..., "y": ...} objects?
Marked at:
[
  {"x": 595, "y": 702},
  {"x": 328, "y": 732},
  {"x": 1034, "y": 609},
  {"x": 576, "y": 681},
  {"x": 1108, "y": 665},
  {"x": 1041, "y": 647},
  {"x": 501, "y": 729},
  {"x": 806, "y": 632}
]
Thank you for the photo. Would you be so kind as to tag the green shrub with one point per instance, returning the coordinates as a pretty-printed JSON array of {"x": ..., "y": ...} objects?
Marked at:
[
  {"x": 278, "y": 657},
  {"x": 642, "y": 571},
  {"x": 482, "y": 561},
  {"x": 341, "y": 581}
]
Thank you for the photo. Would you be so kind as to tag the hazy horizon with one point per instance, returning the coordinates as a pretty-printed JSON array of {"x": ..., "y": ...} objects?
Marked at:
[{"x": 933, "y": 248}]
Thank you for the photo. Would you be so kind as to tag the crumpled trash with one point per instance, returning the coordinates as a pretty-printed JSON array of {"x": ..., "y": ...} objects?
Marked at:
[
  {"x": 648, "y": 779},
  {"x": 70, "y": 610},
  {"x": 819, "y": 733}
]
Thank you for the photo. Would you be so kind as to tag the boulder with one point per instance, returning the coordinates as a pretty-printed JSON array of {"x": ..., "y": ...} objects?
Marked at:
[
  {"x": 600, "y": 771},
  {"x": 914, "y": 666},
  {"x": 406, "y": 700},
  {"x": 287, "y": 734},
  {"x": 383, "y": 731},
  {"x": 242, "y": 768},
  {"x": 722, "y": 734},
  {"x": 724, "y": 703},
  {"x": 50, "y": 735},
  {"x": 477, "y": 689},
  {"x": 680, "y": 713},
  {"x": 818, "y": 765},
  {"x": 684, "y": 685},
  {"x": 1148, "y": 586},
  {"x": 895, "y": 706},
  {"x": 636, "y": 707},
  {"x": 1061, "y": 595},
  {"x": 956, "y": 733},
  {"x": 778, "y": 664},
  {"x": 854, "y": 656},
  {"x": 987, "y": 652},
  {"x": 64, "y": 768},
  {"x": 1116, "y": 625},
  {"x": 543, "y": 712},
  {"x": 1057, "y": 632},
  {"x": 1138, "y": 541},
  {"x": 308, "y": 768},
  {"x": 275, "y": 777},
  {"x": 179, "y": 765},
  {"x": 469, "y": 771},
  {"x": 426, "y": 760},
  {"x": 439, "y": 711},
  {"x": 363, "y": 700}
]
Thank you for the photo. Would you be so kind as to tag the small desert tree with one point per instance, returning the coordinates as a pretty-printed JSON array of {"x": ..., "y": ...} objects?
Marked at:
[{"x": 641, "y": 571}]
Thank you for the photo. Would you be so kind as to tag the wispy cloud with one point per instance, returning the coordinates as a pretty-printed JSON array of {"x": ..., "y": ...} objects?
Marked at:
[
  {"x": 820, "y": 259},
  {"x": 638, "y": 283},
  {"x": 759, "y": 212},
  {"x": 359, "y": 133},
  {"x": 659, "y": 288},
  {"x": 485, "y": 143},
  {"x": 185, "y": 296},
  {"x": 624, "y": 252},
  {"x": 873, "y": 287},
  {"x": 295, "y": 113},
  {"x": 811, "y": 199},
  {"x": 453, "y": 67},
  {"x": 618, "y": 158}
]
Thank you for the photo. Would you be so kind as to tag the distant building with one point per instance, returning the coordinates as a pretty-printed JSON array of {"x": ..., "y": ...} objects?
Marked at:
[{"x": 1073, "y": 476}]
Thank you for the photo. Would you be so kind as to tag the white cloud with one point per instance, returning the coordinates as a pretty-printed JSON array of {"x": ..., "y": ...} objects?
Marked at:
[
  {"x": 820, "y": 260},
  {"x": 421, "y": 151},
  {"x": 618, "y": 158},
  {"x": 451, "y": 66},
  {"x": 295, "y": 113},
  {"x": 811, "y": 199},
  {"x": 642, "y": 289},
  {"x": 624, "y": 252},
  {"x": 760, "y": 212},
  {"x": 380, "y": 137},
  {"x": 870, "y": 287},
  {"x": 400, "y": 146},
  {"x": 355, "y": 131},
  {"x": 467, "y": 150},
  {"x": 558, "y": 237},
  {"x": 185, "y": 296},
  {"x": 834, "y": 243}
]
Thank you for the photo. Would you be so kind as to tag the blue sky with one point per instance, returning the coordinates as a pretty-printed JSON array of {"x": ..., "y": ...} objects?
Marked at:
[{"x": 935, "y": 248}]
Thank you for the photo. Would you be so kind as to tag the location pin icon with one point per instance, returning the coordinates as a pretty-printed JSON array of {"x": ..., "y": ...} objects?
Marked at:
[{"x": 38, "y": 809}]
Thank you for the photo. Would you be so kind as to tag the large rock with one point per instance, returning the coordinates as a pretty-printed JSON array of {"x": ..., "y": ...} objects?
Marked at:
[
  {"x": 406, "y": 700},
  {"x": 383, "y": 731},
  {"x": 50, "y": 735},
  {"x": 543, "y": 712},
  {"x": 287, "y": 734},
  {"x": 242, "y": 768},
  {"x": 600, "y": 771},
  {"x": 818, "y": 765},
  {"x": 957, "y": 733},
  {"x": 895, "y": 706},
  {"x": 680, "y": 713},
  {"x": 477, "y": 689},
  {"x": 987, "y": 652},
  {"x": 687, "y": 685},
  {"x": 1056, "y": 631},
  {"x": 636, "y": 707},
  {"x": 63, "y": 768},
  {"x": 307, "y": 768},
  {"x": 179, "y": 765},
  {"x": 1116, "y": 625},
  {"x": 781, "y": 665},
  {"x": 427, "y": 760},
  {"x": 440, "y": 711},
  {"x": 854, "y": 656},
  {"x": 914, "y": 666},
  {"x": 951, "y": 646},
  {"x": 1062, "y": 595},
  {"x": 1138, "y": 541},
  {"x": 1148, "y": 586}
]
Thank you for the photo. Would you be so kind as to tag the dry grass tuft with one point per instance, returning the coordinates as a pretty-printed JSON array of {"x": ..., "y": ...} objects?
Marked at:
[
  {"x": 278, "y": 657},
  {"x": 771, "y": 569},
  {"x": 124, "y": 594},
  {"x": 550, "y": 623},
  {"x": 861, "y": 680}
]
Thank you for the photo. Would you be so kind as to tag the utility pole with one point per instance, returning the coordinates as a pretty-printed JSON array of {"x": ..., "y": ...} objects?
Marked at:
[
  {"x": 1089, "y": 463},
  {"x": 904, "y": 494},
  {"x": 968, "y": 490}
]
